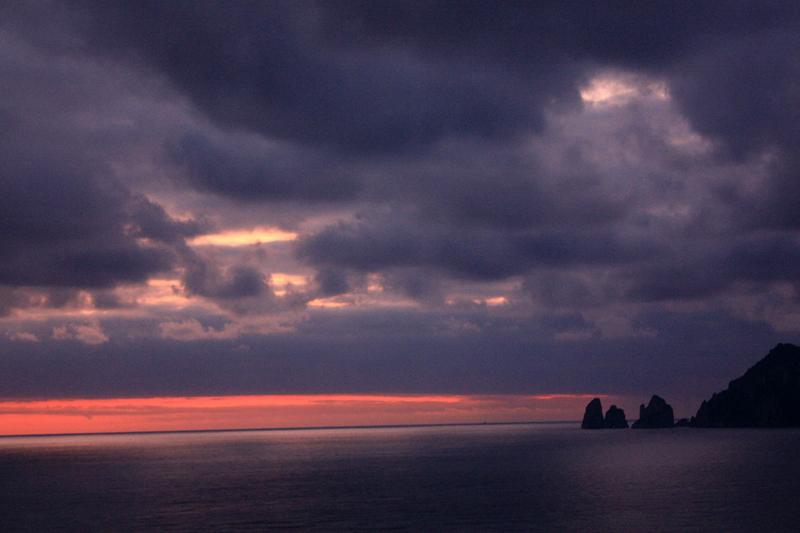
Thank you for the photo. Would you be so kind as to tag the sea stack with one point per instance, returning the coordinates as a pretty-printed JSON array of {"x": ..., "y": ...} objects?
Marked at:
[
  {"x": 767, "y": 395},
  {"x": 615, "y": 418},
  {"x": 657, "y": 414},
  {"x": 593, "y": 416}
]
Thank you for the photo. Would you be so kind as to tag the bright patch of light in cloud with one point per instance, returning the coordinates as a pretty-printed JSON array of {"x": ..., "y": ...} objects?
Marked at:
[
  {"x": 244, "y": 237},
  {"x": 282, "y": 278},
  {"x": 493, "y": 301},
  {"x": 281, "y": 282},
  {"x": 375, "y": 283},
  {"x": 329, "y": 303},
  {"x": 606, "y": 90},
  {"x": 163, "y": 292}
]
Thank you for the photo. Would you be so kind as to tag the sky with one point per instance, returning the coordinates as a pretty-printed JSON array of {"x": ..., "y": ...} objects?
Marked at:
[{"x": 496, "y": 204}]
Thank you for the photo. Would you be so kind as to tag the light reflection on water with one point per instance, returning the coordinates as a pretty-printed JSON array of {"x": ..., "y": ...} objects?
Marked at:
[{"x": 523, "y": 477}]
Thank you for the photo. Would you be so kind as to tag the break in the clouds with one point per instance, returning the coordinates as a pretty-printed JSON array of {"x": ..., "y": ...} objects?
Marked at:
[{"x": 451, "y": 197}]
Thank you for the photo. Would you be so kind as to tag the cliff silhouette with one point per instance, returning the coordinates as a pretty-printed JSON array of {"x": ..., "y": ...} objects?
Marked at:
[
  {"x": 767, "y": 395},
  {"x": 657, "y": 414},
  {"x": 593, "y": 417}
]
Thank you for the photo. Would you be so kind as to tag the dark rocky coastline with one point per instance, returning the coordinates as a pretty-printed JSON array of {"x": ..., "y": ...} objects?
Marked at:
[{"x": 767, "y": 395}]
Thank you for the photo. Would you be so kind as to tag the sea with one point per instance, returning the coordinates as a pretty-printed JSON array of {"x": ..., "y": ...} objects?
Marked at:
[{"x": 520, "y": 477}]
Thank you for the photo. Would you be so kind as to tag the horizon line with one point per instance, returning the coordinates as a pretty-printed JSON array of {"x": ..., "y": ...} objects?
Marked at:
[{"x": 292, "y": 428}]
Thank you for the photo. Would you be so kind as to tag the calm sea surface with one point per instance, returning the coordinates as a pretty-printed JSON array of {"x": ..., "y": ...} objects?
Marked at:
[{"x": 516, "y": 477}]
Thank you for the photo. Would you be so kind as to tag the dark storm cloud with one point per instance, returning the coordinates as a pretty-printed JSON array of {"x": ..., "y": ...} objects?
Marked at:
[
  {"x": 775, "y": 207},
  {"x": 415, "y": 283},
  {"x": 151, "y": 221},
  {"x": 383, "y": 76},
  {"x": 452, "y": 139},
  {"x": 555, "y": 289},
  {"x": 267, "y": 67},
  {"x": 332, "y": 282},
  {"x": 740, "y": 91},
  {"x": 381, "y": 243},
  {"x": 364, "y": 79},
  {"x": 64, "y": 223},
  {"x": 279, "y": 173},
  {"x": 205, "y": 279},
  {"x": 702, "y": 271},
  {"x": 67, "y": 220},
  {"x": 692, "y": 271}
]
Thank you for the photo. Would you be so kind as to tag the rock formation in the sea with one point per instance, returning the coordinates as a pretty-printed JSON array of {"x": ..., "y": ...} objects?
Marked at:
[
  {"x": 657, "y": 414},
  {"x": 767, "y": 395},
  {"x": 682, "y": 423},
  {"x": 615, "y": 418},
  {"x": 593, "y": 417}
]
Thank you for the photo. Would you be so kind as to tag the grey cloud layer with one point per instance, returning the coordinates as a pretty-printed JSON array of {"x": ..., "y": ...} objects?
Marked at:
[
  {"x": 448, "y": 148},
  {"x": 368, "y": 93}
]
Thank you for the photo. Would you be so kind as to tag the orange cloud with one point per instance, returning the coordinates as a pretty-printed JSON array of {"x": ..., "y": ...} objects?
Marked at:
[
  {"x": 90, "y": 333},
  {"x": 492, "y": 301},
  {"x": 330, "y": 303},
  {"x": 244, "y": 237}
]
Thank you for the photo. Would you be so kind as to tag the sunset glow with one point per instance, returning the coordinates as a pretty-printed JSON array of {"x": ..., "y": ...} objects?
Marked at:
[
  {"x": 276, "y": 411},
  {"x": 476, "y": 199},
  {"x": 493, "y": 301},
  {"x": 163, "y": 292},
  {"x": 329, "y": 303},
  {"x": 244, "y": 237},
  {"x": 281, "y": 278}
]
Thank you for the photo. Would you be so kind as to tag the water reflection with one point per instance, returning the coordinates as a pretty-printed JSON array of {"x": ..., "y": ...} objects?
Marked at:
[{"x": 527, "y": 477}]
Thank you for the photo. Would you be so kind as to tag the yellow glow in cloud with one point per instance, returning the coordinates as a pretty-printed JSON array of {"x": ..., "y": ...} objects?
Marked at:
[
  {"x": 602, "y": 90},
  {"x": 493, "y": 301},
  {"x": 282, "y": 278},
  {"x": 280, "y": 281},
  {"x": 163, "y": 292},
  {"x": 329, "y": 303},
  {"x": 244, "y": 237},
  {"x": 374, "y": 283}
]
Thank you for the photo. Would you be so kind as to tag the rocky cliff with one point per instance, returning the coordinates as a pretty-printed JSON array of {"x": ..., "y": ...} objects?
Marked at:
[
  {"x": 767, "y": 395},
  {"x": 593, "y": 416},
  {"x": 615, "y": 418},
  {"x": 657, "y": 414}
]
